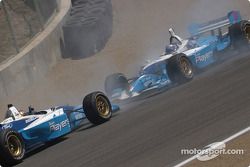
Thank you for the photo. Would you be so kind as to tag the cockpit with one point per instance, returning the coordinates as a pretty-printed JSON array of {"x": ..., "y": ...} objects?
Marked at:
[
  {"x": 175, "y": 42},
  {"x": 13, "y": 114},
  {"x": 170, "y": 49}
]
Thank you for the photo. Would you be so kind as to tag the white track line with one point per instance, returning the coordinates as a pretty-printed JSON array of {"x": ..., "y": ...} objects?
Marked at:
[{"x": 224, "y": 141}]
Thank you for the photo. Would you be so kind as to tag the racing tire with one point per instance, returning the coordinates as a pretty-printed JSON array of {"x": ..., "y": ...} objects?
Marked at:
[
  {"x": 116, "y": 81},
  {"x": 246, "y": 30},
  {"x": 12, "y": 147},
  {"x": 240, "y": 35},
  {"x": 97, "y": 108},
  {"x": 180, "y": 69}
]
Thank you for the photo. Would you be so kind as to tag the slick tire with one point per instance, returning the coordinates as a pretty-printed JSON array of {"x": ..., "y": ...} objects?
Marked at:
[
  {"x": 180, "y": 69},
  {"x": 12, "y": 148},
  {"x": 240, "y": 35},
  {"x": 97, "y": 108}
]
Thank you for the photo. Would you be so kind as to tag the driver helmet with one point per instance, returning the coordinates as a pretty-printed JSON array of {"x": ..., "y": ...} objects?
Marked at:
[{"x": 171, "y": 48}]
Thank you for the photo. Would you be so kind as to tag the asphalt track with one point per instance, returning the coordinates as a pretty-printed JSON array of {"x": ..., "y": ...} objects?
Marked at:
[{"x": 151, "y": 132}]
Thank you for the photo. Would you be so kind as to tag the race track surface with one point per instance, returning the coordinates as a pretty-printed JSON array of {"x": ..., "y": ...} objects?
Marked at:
[{"x": 152, "y": 132}]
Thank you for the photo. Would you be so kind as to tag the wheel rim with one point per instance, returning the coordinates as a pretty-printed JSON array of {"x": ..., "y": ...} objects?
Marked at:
[
  {"x": 186, "y": 67},
  {"x": 14, "y": 145},
  {"x": 102, "y": 106}
]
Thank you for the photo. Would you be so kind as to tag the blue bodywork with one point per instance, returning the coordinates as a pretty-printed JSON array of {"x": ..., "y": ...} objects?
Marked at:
[
  {"x": 37, "y": 129},
  {"x": 200, "y": 49}
]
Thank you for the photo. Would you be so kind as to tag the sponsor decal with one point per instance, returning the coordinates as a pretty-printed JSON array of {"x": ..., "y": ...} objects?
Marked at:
[
  {"x": 58, "y": 126},
  {"x": 7, "y": 126},
  {"x": 147, "y": 81},
  {"x": 203, "y": 58},
  {"x": 30, "y": 120}
]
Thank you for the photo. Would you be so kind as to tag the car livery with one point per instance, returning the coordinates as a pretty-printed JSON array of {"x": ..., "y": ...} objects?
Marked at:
[
  {"x": 183, "y": 57},
  {"x": 20, "y": 134}
]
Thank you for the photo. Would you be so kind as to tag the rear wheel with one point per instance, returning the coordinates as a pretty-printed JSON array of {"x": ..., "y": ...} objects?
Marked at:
[
  {"x": 180, "y": 69},
  {"x": 97, "y": 108},
  {"x": 116, "y": 81},
  {"x": 240, "y": 35},
  {"x": 12, "y": 148},
  {"x": 246, "y": 30}
]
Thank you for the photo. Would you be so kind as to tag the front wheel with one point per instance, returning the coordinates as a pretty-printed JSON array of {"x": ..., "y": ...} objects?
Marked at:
[
  {"x": 12, "y": 148},
  {"x": 97, "y": 108},
  {"x": 180, "y": 69}
]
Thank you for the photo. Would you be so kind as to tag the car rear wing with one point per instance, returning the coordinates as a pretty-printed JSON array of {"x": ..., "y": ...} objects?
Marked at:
[{"x": 231, "y": 18}]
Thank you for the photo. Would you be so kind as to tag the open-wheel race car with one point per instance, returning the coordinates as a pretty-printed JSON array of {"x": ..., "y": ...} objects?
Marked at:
[
  {"x": 184, "y": 57},
  {"x": 21, "y": 132}
]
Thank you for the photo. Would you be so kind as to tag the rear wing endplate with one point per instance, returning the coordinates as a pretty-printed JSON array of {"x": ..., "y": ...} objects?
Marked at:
[{"x": 231, "y": 18}]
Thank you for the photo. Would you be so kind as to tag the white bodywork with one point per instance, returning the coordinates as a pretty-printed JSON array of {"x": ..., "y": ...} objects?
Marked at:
[
  {"x": 39, "y": 119},
  {"x": 182, "y": 49}
]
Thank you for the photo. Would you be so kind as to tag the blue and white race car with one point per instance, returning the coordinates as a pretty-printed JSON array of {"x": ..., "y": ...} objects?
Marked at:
[
  {"x": 183, "y": 57},
  {"x": 24, "y": 132}
]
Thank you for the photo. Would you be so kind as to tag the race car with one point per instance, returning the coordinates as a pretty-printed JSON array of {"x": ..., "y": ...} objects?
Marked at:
[
  {"x": 23, "y": 132},
  {"x": 184, "y": 57}
]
